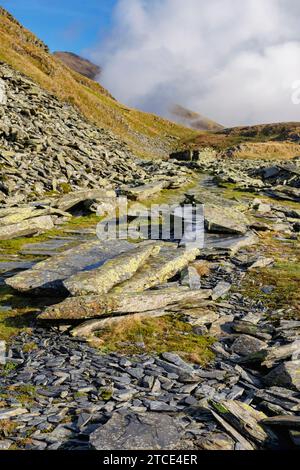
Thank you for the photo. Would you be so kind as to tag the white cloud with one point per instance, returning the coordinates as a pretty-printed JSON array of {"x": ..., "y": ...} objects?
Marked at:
[{"x": 234, "y": 61}]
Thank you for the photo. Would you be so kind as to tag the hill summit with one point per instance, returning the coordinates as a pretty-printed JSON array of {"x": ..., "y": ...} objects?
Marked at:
[{"x": 79, "y": 64}]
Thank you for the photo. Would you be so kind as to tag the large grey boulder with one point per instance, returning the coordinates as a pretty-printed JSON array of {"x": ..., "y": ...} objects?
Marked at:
[
  {"x": 285, "y": 375},
  {"x": 151, "y": 431},
  {"x": 222, "y": 219}
]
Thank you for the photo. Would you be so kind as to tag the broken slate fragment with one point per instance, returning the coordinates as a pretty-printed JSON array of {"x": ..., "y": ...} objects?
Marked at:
[
  {"x": 245, "y": 345},
  {"x": 6, "y": 413},
  {"x": 291, "y": 422},
  {"x": 221, "y": 289},
  {"x": 263, "y": 332},
  {"x": 245, "y": 419},
  {"x": 280, "y": 353}
]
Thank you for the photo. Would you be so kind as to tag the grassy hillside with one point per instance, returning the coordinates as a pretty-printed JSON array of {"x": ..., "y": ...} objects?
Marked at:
[
  {"x": 221, "y": 140},
  {"x": 147, "y": 134}
]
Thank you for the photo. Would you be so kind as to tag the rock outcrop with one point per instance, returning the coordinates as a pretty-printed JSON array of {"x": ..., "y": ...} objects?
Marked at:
[{"x": 114, "y": 271}]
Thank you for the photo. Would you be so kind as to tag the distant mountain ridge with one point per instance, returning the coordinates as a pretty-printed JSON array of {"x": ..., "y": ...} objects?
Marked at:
[
  {"x": 193, "y": 119},
  {"x": 79, "y": 64}
]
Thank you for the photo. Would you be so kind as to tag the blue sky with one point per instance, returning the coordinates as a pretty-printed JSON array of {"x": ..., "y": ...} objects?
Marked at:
[{"x": 64, "y": 25}]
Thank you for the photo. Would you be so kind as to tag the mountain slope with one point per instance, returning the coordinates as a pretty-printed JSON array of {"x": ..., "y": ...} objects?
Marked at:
[
  {"x": 79, "y": 64},
  {"x": 277, "y": 140},
  {"x": 147, "y": 134},
  {"x": 193, "y": 120}
]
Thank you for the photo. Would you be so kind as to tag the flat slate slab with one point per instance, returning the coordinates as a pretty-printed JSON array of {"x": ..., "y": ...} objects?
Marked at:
[
  {"x": 47, "y": 248},
  {"x": 158, "y": 269},
  {"x": 26, "y": 227},
  {"x": 142, "y": 193},
  {"x": 112, "y": 272},
  {"x": 10, "y": 266},
  {"x": 137, "y": 432},
  {"x": 50, "y": 274},
  {"x": 96, "y": 306},
  {"x": 221, "y": 219}
]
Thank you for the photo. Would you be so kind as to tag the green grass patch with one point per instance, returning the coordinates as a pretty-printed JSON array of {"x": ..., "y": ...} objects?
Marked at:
[
  {"x": 165, "y": 334},
  {"x": 283, "y": 276},
  {"x": 14, "y": 245}
]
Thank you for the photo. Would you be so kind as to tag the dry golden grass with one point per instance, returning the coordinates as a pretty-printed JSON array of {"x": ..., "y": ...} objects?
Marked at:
[
  {"x": 270, "y": 141},
  {"x": 267, "y": 150},
  {"x": 143, "y": 132},
  {"x": 7, "y": 428},
  {"x": 202, "y": 268}
]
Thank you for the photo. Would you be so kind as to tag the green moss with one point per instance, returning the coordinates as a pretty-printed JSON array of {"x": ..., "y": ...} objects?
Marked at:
[
  {"x": 158, "y": 335},
  {"x": 83, "y": 222},
  {"x": 65, "y": 188},
  {"x": 219, "y": 407},
  {"x": 80, "y": 395},
  {"x": 14, "y": 245},
  {"x": 7, "y": 369},
  {"x": 106, "y": 394},
  {"x": 25, "y": 394},
  {"x": 29, "y": 347}
]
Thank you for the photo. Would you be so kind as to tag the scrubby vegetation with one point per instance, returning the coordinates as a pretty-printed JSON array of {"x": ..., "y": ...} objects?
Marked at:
[{"x": 157, "y": 335}]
